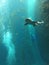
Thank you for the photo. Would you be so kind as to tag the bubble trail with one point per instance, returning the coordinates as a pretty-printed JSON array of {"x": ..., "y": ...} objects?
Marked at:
[{"x": 7, "y": 40}]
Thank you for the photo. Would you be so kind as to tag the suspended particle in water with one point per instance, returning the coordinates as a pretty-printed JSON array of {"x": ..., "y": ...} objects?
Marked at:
[{"x": 21, "y": 1}]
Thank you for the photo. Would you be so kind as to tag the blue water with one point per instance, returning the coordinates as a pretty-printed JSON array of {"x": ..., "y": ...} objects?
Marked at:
[{"x": 20, "y": 44}]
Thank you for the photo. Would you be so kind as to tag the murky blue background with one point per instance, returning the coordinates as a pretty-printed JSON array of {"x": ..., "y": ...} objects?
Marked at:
[{"x": 20, "y": 44}]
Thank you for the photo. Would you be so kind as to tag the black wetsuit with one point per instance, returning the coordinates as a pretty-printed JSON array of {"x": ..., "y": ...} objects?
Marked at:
[{"x": 28, "y": 21}]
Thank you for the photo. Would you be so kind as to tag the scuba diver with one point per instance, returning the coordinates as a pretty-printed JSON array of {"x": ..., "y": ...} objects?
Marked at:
[{"x": 31, "y": 22}]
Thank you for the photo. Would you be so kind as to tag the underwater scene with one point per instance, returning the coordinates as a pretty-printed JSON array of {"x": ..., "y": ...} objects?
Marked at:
[{"x": 24, "y": 32}]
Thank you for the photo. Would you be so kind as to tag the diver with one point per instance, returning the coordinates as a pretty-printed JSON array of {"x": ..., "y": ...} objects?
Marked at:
[{"x": 31, "y": 22}]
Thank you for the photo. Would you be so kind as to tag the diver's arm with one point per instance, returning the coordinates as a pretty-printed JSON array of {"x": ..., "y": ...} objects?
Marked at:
[{"x": 26, "y": 24}]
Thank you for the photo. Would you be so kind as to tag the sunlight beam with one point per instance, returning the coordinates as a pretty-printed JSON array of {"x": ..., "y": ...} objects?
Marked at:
[
  {"x": 3, "y": 3},
  {"x": 31, "y": 7}
]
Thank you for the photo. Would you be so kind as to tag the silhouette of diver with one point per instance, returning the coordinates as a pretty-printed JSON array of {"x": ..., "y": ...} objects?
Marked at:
[{"x": 31, "y": 22}]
